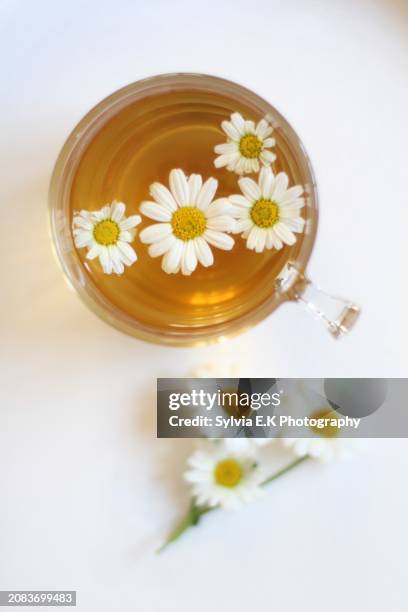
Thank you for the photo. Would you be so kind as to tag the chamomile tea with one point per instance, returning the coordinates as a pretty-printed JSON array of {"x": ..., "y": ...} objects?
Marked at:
[{"x": 140, "y": 145}]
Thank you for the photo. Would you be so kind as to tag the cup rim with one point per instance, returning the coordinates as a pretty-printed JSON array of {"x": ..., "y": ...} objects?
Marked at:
[{"x": 73, "y": 273}]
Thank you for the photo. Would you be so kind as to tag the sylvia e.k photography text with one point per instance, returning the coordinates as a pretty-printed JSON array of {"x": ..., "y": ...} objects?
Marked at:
[{"x": 259, "y": 420}]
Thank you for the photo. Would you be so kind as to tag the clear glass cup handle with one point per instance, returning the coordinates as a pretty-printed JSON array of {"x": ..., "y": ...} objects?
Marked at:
[{"x": 337, "y": 314}]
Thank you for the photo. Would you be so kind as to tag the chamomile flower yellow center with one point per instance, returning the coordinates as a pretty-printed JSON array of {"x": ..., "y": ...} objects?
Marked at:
[
  {"x": 328, "y": 431},
  {"x": 265, "y": 213},
  {"x": 228, "y": 473},
  {"x": 250, "y": 146},
  {"x": 231, "y": 404},
  {"x": 106, "y": 232},
  {"x": 188, "y": 223}
]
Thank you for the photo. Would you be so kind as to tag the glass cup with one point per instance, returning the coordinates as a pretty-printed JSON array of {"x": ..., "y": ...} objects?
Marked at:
[{"x": 292, "y": 284}]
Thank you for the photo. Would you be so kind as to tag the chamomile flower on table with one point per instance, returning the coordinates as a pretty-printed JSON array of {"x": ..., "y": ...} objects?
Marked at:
[
  {"x": 268, "y": 212},
  {"x": 189, "y": 222},
  {"x": 325, "y": 443},
  {"x": 247, "y": 145},
  {"x": 221, "y": 476},
  {"x": 324, "y": 447},
  {"x": 106, "y": 234},
  {"x": 226, "y": 473}
]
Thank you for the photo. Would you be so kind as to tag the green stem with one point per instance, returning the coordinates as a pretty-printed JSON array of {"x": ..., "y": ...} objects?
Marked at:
[
  {"x": 191, "y": 519},
  {"x": 195, "y": 513},
  {"x": 284, "y": 470}
]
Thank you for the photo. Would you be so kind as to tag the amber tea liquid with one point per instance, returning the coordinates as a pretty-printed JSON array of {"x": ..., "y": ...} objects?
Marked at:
[{"x": 140, "y": 145}]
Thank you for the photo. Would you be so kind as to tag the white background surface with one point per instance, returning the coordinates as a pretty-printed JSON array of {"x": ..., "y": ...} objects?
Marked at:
[{"x": 87, "y": 491}]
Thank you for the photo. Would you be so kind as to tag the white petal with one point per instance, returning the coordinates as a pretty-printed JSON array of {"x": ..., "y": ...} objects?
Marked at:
[
  {"x": 267, "y": 157},
  {"x": 221, "y": 223},
  {"x": 289, "y": 211},
  {"x": 203, "y": 252},
  {"x": 230, "y": 130},
  {"x": 127, "y": 253},
  {"x": 172, "y": 259},
  {"x": 225, "y": 160},
  {"x": 195, "y": 183},
  {"x": 238, "y": 122},
  {"x": 82, "y": 238},
  {"x": 117, "y": 265},
  {"x": 158, "y": 212},
  {"x": 247, "y": 165},
  {"x": 250, "y": 189},
  {"x": 162, "y": 195},
  {"x": 219, "y": 239},
  {"x": 105, "y": 212},
  {"x": 260, "y": 241},
  {"x": 155, "y": 232},
  {"x": 239, "y": 165},
  {"x": 249, "y": 127},
  {"x": 266, "y": 182},
  {"x": 226, "y": 148},
  {"x": 207, "y": 193},
  {"x": 189, "y": 260},
  {"x": 184, "y": 270},
  {"x": 280, "y": 185},
  {"x": 284, "y": 233},
  {"x": 117, "y": 211},
  {"x": 240, "y": 200},
  {"x": 253, "y": 237},
  {"x": 130, "y": 222},
  {"x": 296, "y": 225},
  {"x": 80, "y": 221},
  {"x": 272, "y": 240},
  {"x": 94, "y": 251},
  {"x": 114, "y": 253},
  {"x": 269, "y": 142},
  {"x": 127, "y": 235},
  {"x": 106, "y": 261},
  {"x": 294, "y": 205},
  {"x": 195, "y": 475},
  {"x": 293, "y": 193},
  {"x": 263, "y": 129},
  {"x": 253, "y": 165},
  {"x": 242, "y": 225},
  {"x": 85, "y": 214},
  {"x": 179, "y": 187},
  {"x": 218, "y": 207},
  {"x": 159, "y": 248},
  {"x": 239, "y": 212},
  {"x": 95, "y": 216}
]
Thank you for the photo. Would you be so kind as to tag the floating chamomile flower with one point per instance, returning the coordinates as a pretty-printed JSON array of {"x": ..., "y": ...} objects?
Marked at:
[
  {"x": 189, "y": 221},
  {"x": 268, "y": 213},
  {"x": 223, "y": 477},
  {"x": 106, "y": 234},
  {"x": 246, "y": 146}
]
